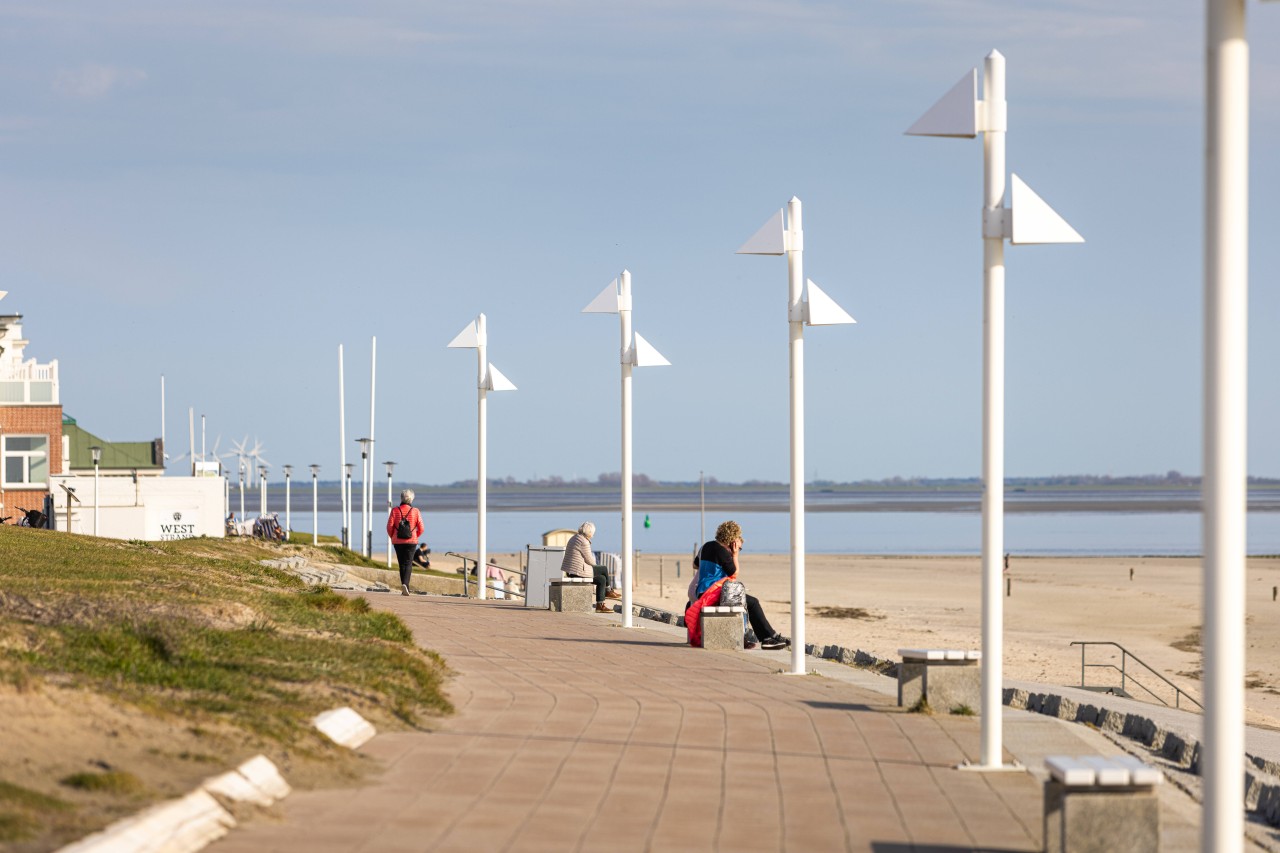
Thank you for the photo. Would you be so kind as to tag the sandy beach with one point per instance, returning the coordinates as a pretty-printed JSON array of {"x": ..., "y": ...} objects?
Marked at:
[{"x": 881, "y": 604}]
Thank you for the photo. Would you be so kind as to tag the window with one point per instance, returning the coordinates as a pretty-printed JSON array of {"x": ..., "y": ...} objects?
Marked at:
[{"x": 26, "y": 460}]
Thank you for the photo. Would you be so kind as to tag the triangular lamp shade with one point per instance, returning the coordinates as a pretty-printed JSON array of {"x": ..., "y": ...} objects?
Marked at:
[
  {"x": 468, "y": 338},
  {"x": 1034, "y": 221},
  {"x": 644, "y": 355},
  {"x": 495, "y": 381},
  {"x": 822, "y": 310},
  {"x": 956, "y": 114},
  {"x": 768, "y": 240},
  {"x": 606, "y": 302}
]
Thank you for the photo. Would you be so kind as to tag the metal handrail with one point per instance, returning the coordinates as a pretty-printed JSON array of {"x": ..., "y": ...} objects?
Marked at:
[
  {"x": 1126, "y": 677},
  {"x": 466, "y": 582}
]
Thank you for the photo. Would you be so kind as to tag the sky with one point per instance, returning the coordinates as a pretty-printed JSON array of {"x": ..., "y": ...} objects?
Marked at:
[{"x": 223, "y": 193}]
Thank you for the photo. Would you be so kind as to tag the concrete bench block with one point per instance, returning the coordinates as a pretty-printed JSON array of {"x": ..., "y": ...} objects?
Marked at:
[
  {"x": 945, "y": 678},
  {"x": 568, "y": 595},
  {"x": 722, "y": 627},
  {"x": 1098, "y": 803}
]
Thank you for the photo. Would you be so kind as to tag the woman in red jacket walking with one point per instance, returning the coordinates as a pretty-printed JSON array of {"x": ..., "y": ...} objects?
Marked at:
[{"x": 404, "y": 526}]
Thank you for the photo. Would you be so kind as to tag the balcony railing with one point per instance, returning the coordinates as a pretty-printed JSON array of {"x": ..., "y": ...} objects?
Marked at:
[{"x": 29, "y": 383}]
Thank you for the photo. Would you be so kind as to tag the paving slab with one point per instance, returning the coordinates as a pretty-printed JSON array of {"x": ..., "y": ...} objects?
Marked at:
[{"x": 572, "y": 733}]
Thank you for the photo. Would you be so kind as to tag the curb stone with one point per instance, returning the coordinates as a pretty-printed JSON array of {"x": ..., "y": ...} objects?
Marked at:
[{"x": 189, "y": 823}]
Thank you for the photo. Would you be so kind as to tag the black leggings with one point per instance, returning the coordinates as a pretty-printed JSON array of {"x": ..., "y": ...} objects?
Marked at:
[
  {"x": 759, "y": 624},
  {"x": 404, "y": 554}
]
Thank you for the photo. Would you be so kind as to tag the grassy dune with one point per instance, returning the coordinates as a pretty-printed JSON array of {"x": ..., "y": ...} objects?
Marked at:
[{"x": 195, "y": 638}]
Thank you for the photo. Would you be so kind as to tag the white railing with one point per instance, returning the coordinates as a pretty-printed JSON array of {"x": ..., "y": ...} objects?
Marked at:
[{"x": 28, "y": 372}]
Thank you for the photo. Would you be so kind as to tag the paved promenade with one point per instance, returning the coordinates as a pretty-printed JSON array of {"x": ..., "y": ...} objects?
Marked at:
[{"x": 573, "y": 734}]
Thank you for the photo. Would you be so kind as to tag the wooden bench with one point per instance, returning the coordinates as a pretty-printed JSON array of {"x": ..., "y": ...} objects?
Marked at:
[
  {"x": 947, "y": 679},
  {"x": 1104, "y": 803},
  {"x": 722, "y": 627},
  {"x": 569, "y": 595}
]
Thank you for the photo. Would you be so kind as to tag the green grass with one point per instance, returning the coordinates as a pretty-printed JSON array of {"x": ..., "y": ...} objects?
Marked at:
[
  {"x": 117, "y": 782},
  {"x": 21, "y": 810},
  {"x": 199, "y": 629}
]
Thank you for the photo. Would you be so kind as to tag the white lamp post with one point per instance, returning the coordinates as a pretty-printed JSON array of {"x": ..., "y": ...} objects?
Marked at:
[
  {"x": 635, "y": 352},
  {"x": 343, "y": 492},
  {"x": 288, "y": 518},
  {"x": 390, "y": 467},
  {"x": 242, "y": 491},
  {"x": 368, "y": 471},
  {"x": 476, "y": 336},
  {"x": 97, "y": 457},
  {"x": 365, "y": 461},
  {"x": 807, "y": 304},
  {"x": 315, "y": 504},
  {"x": 1225, "y": 487},
  {"x": 347, "y": 491},
  {"x": 1028, "y": 220},
  {"x": 262, "y": 490}
]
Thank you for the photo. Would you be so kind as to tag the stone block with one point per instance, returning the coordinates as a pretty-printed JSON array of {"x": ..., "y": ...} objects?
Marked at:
[
  {"x": 1015, "y": 697},
  {"x": 1087, "y": 714},
  {"x": 945, "y": 685},
  {"x": 1100, "y": 819},
  {"x": 1112, "y": 721},
  {"x": 567, "y": 596},
  {"x": 721, "y": 630}
]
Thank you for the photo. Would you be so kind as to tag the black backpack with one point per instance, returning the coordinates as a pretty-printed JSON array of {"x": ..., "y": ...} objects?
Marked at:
[{"x": 404, "y": 530}]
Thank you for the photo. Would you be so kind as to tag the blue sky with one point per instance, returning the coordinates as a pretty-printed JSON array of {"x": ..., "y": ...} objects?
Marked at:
[{"x": 224, "y": 192}]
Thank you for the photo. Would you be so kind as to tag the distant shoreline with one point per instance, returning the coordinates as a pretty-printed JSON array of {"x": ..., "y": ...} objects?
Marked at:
[{"x": 773, "y": 499}]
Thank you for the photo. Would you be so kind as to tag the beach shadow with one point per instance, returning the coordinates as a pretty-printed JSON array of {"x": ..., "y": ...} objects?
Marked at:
[
  {"x": 612, "y": 642},
  {"x": 841, "y": 706},
  {"x": 899, "y": 847}
]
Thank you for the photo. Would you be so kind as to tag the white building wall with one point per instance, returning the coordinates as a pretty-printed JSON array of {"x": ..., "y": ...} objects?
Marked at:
[{"x": 153, "y": 509}]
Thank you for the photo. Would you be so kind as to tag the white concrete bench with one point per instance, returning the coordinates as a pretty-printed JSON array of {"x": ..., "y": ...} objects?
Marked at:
[
  {"x": 722, "y": 627},
  {"x": 567, "y": 595},
  {"x": 947, "y": 679},
  {"x": 1095, "y": 802}
]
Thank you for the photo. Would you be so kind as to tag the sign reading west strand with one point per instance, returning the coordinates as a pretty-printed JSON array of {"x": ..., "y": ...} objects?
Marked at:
[{"x": 172, "y": 523}]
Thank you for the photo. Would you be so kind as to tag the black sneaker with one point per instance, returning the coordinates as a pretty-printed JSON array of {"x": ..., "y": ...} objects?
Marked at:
[{"x": 775, "y": 642}]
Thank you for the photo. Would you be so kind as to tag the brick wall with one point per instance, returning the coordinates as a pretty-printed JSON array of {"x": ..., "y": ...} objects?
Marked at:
[{"x": 32, "y": 420}]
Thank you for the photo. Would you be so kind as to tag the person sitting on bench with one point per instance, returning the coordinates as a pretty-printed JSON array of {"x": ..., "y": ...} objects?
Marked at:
[
  {"x": 716, "y": 562},
  {"x": 579, "y": 562}
]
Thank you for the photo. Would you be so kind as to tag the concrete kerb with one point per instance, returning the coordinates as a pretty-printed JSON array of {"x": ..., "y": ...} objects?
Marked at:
[
  {"x": 1181, "y": 751},
  {"x": 190, "y": 823}
]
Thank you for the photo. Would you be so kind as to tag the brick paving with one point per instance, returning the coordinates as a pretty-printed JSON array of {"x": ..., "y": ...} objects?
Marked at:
[{"x": 573, "y": 734}]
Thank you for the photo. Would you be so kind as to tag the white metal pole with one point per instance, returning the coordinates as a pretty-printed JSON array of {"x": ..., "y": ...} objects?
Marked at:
[
  {"x": 482, "y": 474},
  {"x": 315, "y": 508},
  {"x": 628, "y": 545},
  {"x": 373, "y": 385},
  {"x": 795, "y": 290},
  {"x": 389, "y": 505},
  {"x": 95, "y": 497},
  {"x": 242, "y": 493},
  {"x": 364, "y": 497},
  {"x": 342, "y": 454},
  {"x": 1226, "y": 286},
  {"x": 288, "y": 519},
  {"x": 262, "y": 490},
  {"x": 993, "y": 160},
  {"x": 347, "y": 531}
]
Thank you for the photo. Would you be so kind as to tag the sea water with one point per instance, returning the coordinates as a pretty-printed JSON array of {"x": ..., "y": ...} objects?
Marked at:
[{"x": 909, "y": 533}]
